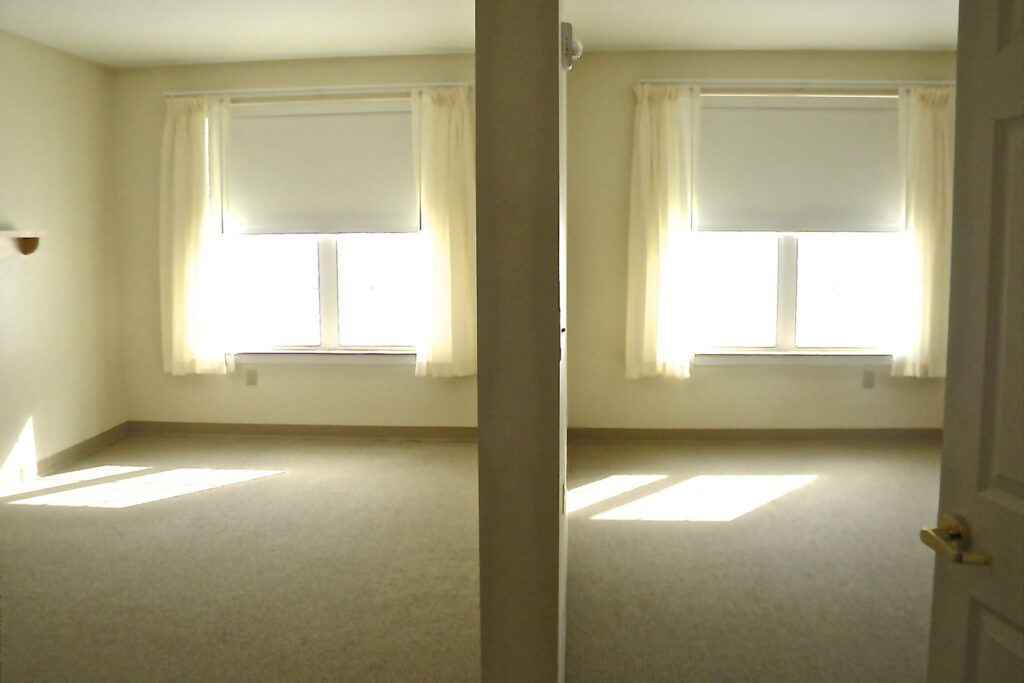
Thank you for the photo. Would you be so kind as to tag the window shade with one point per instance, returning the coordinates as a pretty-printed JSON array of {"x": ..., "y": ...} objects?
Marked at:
[
  {"x": 787, "y": 163},
  {"x": 325, "y": 167}
]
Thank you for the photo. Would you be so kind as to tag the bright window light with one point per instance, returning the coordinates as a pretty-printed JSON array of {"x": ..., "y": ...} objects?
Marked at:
[
  {"x": 604, "y": 489},
  {"x": 737, "y": 277},
  {"x": 273, "y": 291},
  {"x": 380, "y": 289},
  {"x": 146, "y": 488},
  {"x": 709, "y": 498},
  {"x": 849, "y": 290},
  {"x": 66, "y": 478}
]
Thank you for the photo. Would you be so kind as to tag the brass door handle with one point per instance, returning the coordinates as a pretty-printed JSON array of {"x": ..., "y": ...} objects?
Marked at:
[{"x": 951, "y": 540}]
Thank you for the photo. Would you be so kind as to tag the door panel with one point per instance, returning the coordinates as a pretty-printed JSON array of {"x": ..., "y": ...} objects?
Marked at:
[
  {"x": 1002, "y": 470},
  {"x": 995, "y": 647},
  {"x": 978, "y": 612}
]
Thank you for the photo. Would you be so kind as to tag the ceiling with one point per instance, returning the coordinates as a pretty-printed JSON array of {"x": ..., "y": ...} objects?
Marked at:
[{"x": 145, "y": 32}]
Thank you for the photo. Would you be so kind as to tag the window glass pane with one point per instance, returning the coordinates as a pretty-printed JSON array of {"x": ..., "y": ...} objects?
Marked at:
[
  {"x": 380, "y": 291},
  {"x": 736, "y": 284},
  {"x": 849, "y": 290},
  {"x": 274, "y": 291}
]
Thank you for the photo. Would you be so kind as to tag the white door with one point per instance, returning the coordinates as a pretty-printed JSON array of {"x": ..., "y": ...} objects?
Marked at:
[{"x": 977, "y": 631}]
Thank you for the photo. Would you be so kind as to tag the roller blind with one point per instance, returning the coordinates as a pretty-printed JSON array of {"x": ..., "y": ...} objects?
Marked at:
[
  {"x": 321, "y": 167},
  {"x": 786, "y": 163}
]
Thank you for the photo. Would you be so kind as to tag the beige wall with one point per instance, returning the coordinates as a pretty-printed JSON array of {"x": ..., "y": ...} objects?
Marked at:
[
  {"x": 600, "y": 138},
  {"x": 299, "y": 394},
  {"x": 600, "y": 109},
  {"x": 58, "y": 356}
]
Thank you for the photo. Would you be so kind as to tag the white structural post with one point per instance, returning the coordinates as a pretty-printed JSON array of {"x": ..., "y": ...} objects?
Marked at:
[{"x": 520, "y": 94}]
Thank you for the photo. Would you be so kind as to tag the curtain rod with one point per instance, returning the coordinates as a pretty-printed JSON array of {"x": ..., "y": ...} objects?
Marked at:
[
  {"x": 327, "y": 91},
  {"x": 794, "y": 84}
]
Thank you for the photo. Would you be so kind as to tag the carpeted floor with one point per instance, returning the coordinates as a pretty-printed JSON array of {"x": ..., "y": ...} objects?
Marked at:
[
  {"x": 826, "y": 584},
  {"x": 358, "y": 563}
]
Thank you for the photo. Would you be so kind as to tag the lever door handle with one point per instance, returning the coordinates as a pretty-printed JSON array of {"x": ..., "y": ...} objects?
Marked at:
[{"x": 951, "y": 540}]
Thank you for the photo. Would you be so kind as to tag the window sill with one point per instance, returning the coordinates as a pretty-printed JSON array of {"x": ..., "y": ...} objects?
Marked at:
[
  {"x": 844, "y": 358},
  {"x": 376, "y": 357}
]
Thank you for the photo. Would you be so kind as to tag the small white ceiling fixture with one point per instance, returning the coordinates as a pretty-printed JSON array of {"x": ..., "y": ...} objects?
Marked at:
[{"x": 123, "y": 33}]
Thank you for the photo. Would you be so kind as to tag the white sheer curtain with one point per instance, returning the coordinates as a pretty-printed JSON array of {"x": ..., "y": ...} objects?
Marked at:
[
  {"x": 660, "y": 239},
  {"x": 190, "y": 236},
  {"x": 446, "y": 172},
  {"x": 928, "y": 114}
]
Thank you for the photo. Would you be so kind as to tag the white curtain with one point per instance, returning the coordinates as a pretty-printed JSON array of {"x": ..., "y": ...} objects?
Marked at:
[
  {"x": 190, "y": 236},
  {"x": 660, "y": 239},
  {"x": 446, "y": 175},
  {"x": 928, "y": 114}
]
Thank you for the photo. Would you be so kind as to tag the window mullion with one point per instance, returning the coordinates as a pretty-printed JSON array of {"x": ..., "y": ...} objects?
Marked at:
[
  {"x": 786, "y": 332},
  {"x": 328, "y": 261}
]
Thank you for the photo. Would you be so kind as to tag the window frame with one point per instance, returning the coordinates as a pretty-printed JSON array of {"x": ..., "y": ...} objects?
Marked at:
[
  {"x": 786, "y": 306},
  {"x": 787, "y": 264},
  {"x": 328, "y": 296},
  {"x": 328, "y": 290}
]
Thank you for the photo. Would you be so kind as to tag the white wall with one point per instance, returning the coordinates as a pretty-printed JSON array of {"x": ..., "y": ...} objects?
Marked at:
[
  {"x": 294, "y": 394},
  {"x": 600, "y": 137},
  {"x": 59, "y": 362}
]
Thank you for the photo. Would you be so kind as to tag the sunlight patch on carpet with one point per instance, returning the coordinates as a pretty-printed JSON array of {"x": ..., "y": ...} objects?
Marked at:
[
  {"x": 604, "y": 489},
  {"x": 146, "y": 488},
  {"x": 709, "y": 498},
  {"x": 65, "y": 479}
]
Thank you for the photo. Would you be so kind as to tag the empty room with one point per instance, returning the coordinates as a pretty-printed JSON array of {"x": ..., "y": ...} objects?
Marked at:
[{"x": 522, "y": 341}]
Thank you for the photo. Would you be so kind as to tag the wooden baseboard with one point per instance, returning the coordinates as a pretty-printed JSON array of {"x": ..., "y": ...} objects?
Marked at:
[
  {"x": 601, "y": 434},
  {"x": 344, "y": 431},
  {"x": 575, "y": 434},
  {"x": 61, "y": 460}
]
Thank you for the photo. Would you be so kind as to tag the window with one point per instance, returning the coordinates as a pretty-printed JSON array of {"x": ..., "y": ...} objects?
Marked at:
[
  {"x": 378, "y": 273},
  {"x": 321, "y": 223},
  {"x": 799, "y": 203}
]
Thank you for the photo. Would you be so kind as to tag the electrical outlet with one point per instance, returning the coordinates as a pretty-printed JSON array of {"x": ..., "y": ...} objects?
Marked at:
[
  {"x": 867, "y": 380},
  {"x": 251, "y": 377}
]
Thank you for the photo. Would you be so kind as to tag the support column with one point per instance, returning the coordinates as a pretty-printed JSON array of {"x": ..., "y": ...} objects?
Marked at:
[{"x": 520, "y": 92}]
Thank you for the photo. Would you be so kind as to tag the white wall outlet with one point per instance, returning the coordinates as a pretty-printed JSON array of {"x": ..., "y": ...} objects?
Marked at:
[
  {"x": 252, "y": 378},
  {"x": 867, "y": 380}
]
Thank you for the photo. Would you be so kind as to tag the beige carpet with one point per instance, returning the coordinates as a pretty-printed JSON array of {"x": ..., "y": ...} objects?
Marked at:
[
  {"x": 827, "y": 583},
  {"x": 358, "y": 563}
]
